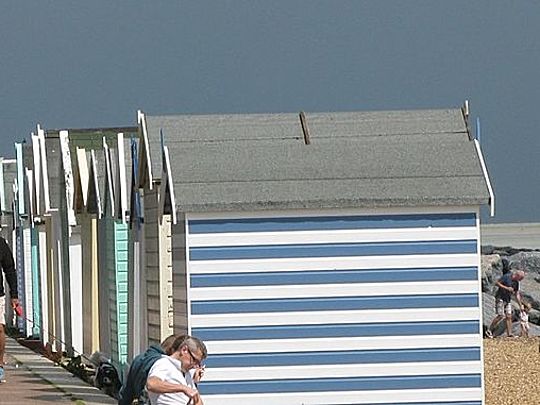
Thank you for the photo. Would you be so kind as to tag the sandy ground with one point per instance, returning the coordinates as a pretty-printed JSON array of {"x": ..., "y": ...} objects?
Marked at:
[{"x": 512, "y": 371}]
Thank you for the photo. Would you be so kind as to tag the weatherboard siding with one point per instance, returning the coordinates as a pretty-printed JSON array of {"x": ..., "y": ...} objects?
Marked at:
[
  {"x": 28, "y": 301},
  {"x": 21, "y": 273},
  {"x": 36, "y": 293},
  {"x": 158, "y": 257},
  {"x": 136, "y": 287},
  {"x": 151, "y": 247},
  {"x": 121, "y": 233},
  {"x": 76, "y": 289},
  {"x": 341, "y": 309},
  {"x": 165, "y": 281},
  {"x": 117, "y": 271},
  {"x": 90, "y": 301},
  {"x": 44, "y": 295},
  {"x": 180, "y": 289}
]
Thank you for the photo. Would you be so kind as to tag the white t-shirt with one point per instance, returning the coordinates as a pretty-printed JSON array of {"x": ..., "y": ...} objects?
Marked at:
[{"x": 169, "y": 370}]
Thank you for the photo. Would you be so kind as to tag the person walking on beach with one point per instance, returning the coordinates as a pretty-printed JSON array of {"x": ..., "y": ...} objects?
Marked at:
[
  {"x": 8, "y": 267},
  {"x": 508, "y": 285}
]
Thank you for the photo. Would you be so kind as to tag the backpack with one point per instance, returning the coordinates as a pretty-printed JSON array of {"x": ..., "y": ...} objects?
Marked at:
[
  {"x": 107, "y": 379},
  {"x": 135, "y": 382}
]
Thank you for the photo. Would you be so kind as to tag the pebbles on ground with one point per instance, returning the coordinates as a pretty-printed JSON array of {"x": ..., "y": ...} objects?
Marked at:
[{"x": 512, "y": 371}]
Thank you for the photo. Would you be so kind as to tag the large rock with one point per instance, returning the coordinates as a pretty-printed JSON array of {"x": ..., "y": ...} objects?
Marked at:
[
  {"x": 530, "y": 286},
  {"x": 528, "y": 261},
  {"x": 492, "y": 266}
]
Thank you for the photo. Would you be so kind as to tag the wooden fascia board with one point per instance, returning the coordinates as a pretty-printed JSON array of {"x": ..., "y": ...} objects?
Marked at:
[
  {"x": 113, "y": 153},
  {"x": 44, "y": 170},
  {"x": 122, "y": 182},
  {"x": 29, "y": 195},
  {"x": 486, "y": 177},
  {"x": 166, "y": 188},
  {"x": 82, "y": 169},
  {"x": 20, "y": 178},
  {"x": 95, "y": 182},
  {"x": 78, "y": 204},
  {"x": 36, "y": 158},
  {"x": 145, "y": 162},
  {"x": 67, "y": 170},
  {"x": 108, "y": 200},
  {"x": 134, "y": 206}
]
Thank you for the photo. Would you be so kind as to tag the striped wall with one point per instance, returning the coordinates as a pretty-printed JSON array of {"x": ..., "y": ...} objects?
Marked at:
[{"x": 337, "y": 309}]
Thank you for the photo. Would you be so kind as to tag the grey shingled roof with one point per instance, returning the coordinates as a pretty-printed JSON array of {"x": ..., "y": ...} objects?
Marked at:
[{"x": 356, "y": 159}]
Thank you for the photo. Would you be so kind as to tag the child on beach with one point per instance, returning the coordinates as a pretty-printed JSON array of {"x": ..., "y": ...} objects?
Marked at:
[{"x": 524, "y": 319}]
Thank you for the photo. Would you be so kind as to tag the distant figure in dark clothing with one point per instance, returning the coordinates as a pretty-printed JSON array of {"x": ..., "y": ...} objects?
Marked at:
[
  {"x": 135, "y": 382},
  {"x": 8, "y": 266},
  {"x": 505, "y": 265},
  {"x": 508, "y": 285}
]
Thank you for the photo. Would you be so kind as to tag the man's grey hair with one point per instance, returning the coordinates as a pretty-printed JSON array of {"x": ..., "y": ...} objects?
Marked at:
[{"x": 195, "y": 344}]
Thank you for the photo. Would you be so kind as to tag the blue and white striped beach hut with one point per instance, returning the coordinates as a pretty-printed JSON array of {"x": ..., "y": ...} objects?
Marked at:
[{"x": 329, "y": 258}]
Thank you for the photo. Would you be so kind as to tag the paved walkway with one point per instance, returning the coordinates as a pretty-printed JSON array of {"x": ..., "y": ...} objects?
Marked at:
[{"x": 35, "y": 380}]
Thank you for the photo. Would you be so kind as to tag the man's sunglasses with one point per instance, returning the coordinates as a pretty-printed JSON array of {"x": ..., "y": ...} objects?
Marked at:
[{"x": 198, "y": 362}]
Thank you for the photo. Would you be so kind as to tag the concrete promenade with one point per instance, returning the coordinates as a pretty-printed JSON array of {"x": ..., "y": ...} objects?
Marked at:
[{"x": 35, "y": 380}]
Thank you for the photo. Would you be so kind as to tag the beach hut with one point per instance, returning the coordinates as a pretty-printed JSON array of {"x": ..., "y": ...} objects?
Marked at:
[
  {"x": 155, "y": 245},
  {"x": 8, "y": 174},
  {"x": 90, "y": 270},
  {"x": 328, "y": 258},
  {"x": 53, "y": 216},
  {"x": 45, "y": 156},
  {"x": 137, "y": 307},
  {"x": 114, "y": 240},
  {"x": 30, "y": 222},
  {"x": 60, "y": 219},
  {"x": 22, "y": 251},
  {"x": 8, "y": 170},
  {"x": 89, "y": 181}
]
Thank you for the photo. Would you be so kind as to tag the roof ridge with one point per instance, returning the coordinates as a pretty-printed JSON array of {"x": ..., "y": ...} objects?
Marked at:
[
  {"x": 328, "y": 179},
  {"x": 180, "y": 140}
]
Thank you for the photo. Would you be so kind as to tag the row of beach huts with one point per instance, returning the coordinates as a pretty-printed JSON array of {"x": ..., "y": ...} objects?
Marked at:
[{"x": 324, "y": 258}]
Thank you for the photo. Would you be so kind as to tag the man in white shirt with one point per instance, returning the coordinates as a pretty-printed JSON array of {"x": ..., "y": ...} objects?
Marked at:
[{"x": 169, "y": 380}]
